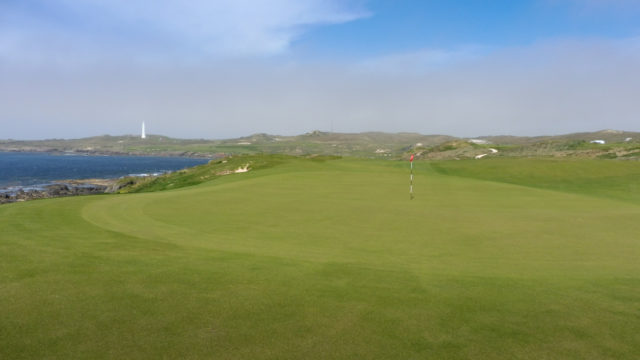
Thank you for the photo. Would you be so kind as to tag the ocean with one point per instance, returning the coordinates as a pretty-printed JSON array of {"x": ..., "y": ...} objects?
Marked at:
[{"x": 32, "y": 169}]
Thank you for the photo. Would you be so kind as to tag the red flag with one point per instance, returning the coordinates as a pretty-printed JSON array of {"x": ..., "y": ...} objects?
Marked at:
[{"x": 411, "y": 159}]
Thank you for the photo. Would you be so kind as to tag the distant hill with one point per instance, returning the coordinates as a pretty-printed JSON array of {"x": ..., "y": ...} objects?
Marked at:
[
  {"x": 610, "y": 136},
  {"x": 617, "y": 144}
]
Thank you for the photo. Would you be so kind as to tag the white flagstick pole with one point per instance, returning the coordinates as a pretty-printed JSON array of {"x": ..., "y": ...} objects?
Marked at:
[{"x": 411, "y": 179}]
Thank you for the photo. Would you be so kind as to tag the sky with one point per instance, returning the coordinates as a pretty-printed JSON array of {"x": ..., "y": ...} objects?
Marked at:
[{"x": 229, "y": 68}]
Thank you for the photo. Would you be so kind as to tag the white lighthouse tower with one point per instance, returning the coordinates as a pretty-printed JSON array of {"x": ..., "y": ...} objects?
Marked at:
[{"x": 144, "y": 134}]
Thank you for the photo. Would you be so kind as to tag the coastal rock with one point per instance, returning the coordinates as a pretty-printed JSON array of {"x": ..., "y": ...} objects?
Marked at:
[
  {"x": 57, "y": 190},
  {"x": 116, "y": 186},
  {"x": 51, "y": 191}
]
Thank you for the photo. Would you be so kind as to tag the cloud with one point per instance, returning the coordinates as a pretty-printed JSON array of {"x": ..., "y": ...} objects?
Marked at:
[
  {"x": 205, "y": 69},
  {"x": 559, "y": 86},
  {"x": 564, "y": 85},
  {"x": 76, "y": 30},
  {"x": 425, "y": 60}
]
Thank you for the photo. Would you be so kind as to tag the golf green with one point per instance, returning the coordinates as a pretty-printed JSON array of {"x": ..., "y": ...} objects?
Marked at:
[{"x": 330, "y": 259}]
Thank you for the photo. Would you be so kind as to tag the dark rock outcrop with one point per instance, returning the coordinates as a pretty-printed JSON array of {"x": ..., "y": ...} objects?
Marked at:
[{"x": 51, "y": 191}]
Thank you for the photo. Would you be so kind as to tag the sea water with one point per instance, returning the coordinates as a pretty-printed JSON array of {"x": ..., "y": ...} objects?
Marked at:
[{"x": 29, "y": 170}]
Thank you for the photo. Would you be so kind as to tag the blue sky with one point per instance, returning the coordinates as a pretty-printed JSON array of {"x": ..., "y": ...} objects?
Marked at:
[
  {"x": 408, "y": 25},
  {"x": 228, "y": 68}
]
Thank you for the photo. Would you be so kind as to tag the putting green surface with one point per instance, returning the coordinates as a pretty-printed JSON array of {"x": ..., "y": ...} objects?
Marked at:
[{"x": 330, "y": 259}]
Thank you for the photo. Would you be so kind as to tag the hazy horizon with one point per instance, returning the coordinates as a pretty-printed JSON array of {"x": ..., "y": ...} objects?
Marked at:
[
  {"x": 325, "y": 131},
  {"x": 227, "y": 69}
]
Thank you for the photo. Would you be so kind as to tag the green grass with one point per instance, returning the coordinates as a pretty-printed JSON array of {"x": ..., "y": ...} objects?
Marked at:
[
  {"x": 612, "y": 179},
  {"x": 211, "y": 171},
  {"x": 330, "y": 259},
  {"x": 203, "y": 173}
]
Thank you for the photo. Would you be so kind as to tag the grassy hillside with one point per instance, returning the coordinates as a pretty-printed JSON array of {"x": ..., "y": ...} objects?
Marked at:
[
  {"x": 330, "y": 259},
  {"x": 619, "y": 144},
  {"x": 207, "y": 172},
  {"x": 613, "y": 179},
  {"x": 370, "y": 144}
]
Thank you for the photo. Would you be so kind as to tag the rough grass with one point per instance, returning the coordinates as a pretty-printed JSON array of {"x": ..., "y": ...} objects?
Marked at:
[
  {"x": 611, "y": 179},
  {"x": 203, "y": 173},
  {"x": 211, "y": 171},
  {"x": 328, "y": 259}
]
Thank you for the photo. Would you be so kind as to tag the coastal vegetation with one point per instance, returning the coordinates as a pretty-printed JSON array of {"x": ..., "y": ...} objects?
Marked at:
[
  {"x": 326, "y": 257},
  {"x": 617, "y": 144}
]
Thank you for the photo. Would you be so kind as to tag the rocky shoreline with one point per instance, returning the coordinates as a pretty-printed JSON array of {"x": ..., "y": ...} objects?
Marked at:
[
  {"x": 58, "y": 189},
  {"x": 56, "y": 151}
]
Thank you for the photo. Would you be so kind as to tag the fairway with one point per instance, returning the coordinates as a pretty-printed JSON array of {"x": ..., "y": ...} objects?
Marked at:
[{"x": 330, "y": 259}]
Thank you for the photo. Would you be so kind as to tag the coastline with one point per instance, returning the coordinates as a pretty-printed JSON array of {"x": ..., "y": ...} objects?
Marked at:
[
  {"x": 87, "y": 183},
  {"x": 53, "y": 151},
  {"x": 56, "y": 189},
  {"x": 60, "y": 188}
]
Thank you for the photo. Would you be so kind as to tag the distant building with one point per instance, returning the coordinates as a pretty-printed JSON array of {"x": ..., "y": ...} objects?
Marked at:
[
  {"x": 478, "y": 141},
  {"x": 627, "y": 139},
  {"x": 601, "y": 142},
  {"x": 144, "y": 134}
]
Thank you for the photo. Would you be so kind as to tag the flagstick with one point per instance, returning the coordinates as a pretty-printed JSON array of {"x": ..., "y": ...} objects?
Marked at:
[{"x": 411, "y": 180}]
